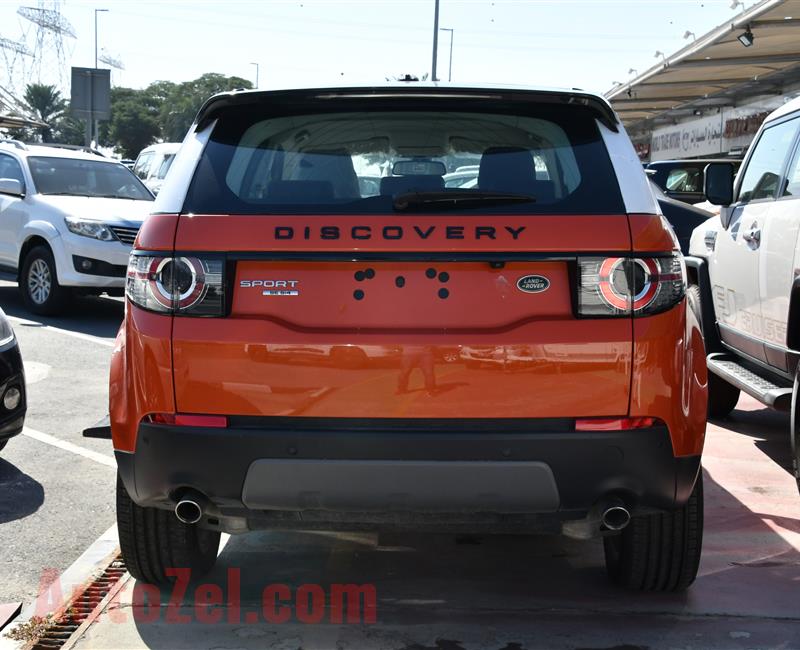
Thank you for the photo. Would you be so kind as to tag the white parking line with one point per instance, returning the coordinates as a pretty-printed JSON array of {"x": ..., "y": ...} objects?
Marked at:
[
  {"x": 77, "y": 335},
  {"x": 68, "y": 446}
]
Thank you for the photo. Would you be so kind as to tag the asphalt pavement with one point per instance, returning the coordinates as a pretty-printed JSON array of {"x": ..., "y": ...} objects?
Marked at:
[{"x": 54, "y": 500}]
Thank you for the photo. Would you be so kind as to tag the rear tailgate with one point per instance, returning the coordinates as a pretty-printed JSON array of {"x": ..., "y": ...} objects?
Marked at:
[{"x": 330, "y": 317}]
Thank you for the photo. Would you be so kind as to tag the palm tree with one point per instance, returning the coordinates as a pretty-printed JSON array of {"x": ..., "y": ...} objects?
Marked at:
[{"x": 47, "y": 104}]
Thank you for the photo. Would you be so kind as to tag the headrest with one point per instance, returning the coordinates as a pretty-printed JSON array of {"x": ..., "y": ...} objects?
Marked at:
[{"x": 507, "y": 169}]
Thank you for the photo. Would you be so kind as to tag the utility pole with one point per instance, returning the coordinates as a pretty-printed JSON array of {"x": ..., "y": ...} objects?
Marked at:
[
  {"x": 435, "y": 39},
  {"x": 450, "y": 64}
]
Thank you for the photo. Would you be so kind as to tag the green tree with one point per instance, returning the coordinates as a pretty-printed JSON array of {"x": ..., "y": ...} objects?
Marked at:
[
  {"x": 181, "y": 102},
  {"x": 132, "y": 127},
  {"x": 164, "y": 110},
  {"x": 69, "y": 130},
  {"x": 47, "y": 104}
]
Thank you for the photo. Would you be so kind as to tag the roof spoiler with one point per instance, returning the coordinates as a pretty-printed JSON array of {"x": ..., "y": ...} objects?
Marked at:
[{"x": 598, "y": 105}]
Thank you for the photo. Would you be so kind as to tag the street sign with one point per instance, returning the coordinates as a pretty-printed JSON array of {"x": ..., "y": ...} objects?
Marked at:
[{"x": 90, "y": 96}]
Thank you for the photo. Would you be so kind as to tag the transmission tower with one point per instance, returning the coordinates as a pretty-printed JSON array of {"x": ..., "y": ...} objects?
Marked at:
[
  {"x": 51, "y": 40},
  {"x": 113, "y": 62},
  {"x": 14, "y": 53}
]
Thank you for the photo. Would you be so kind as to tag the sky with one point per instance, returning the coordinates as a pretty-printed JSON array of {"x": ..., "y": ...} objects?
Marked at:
[{"x": 588, "y": 44}]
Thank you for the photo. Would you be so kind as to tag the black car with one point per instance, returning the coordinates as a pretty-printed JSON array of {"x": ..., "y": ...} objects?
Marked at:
[
  {"x": 12, "y": 384},
  {"x": 683, "y": 179},
  {"x": 683, "y": 218}
]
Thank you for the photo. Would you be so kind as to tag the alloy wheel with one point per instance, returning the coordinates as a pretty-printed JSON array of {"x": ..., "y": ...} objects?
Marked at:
[{"x": 40, "y": 281}]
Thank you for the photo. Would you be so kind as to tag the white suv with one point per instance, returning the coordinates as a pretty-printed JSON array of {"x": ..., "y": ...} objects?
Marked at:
[
  {"x": 744, "y": 268},
  {"x": 67, "y": 222}
]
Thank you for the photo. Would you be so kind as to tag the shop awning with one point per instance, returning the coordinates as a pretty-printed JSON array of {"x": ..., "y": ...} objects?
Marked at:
[
  {"x": 717, "y": 69},
  {"x": 13, "y": 113}
]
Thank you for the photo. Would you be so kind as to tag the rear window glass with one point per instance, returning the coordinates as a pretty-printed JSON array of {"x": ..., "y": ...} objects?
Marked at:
[{"x": 360, "y": 161}]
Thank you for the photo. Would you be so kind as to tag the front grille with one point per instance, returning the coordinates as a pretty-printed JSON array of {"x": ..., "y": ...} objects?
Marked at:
[{"x": 125, "y": 235}]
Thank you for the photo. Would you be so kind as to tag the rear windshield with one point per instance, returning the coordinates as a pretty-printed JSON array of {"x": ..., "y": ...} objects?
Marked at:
[
  {"x": 75, "y": 177},
  {"x": 361, "y": 161}
]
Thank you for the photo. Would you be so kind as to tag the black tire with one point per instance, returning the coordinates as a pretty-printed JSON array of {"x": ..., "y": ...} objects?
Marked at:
[
  {"x": 45, "y": 302},
  {"x": 722, "y": 397},
  {"x": 693, "y": 300},
  {"x": 153, "y": 541},
  {"x": 659, "y": 552},
  {"x": 3, "y": 444},
  {"x": 794, "y": 427}
]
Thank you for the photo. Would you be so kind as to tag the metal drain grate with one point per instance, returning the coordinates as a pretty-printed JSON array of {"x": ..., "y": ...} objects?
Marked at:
[{"x": 81, "y": 607}]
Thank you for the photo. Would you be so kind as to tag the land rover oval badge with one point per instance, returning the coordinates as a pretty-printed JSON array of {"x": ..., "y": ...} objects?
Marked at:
[{"x": 533, "y": 284}]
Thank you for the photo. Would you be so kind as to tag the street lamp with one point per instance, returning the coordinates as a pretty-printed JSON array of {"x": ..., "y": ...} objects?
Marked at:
[
  {"x": 435, "y": 39},
  {"x": 93, "y": 129},
  {"x": 96, "y": 11},
  {"x": 450, "y": 65},
  {"x": 255, "y": 64}
]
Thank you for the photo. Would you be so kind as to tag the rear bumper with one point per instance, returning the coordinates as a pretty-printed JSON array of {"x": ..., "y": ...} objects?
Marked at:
[{"x": 328, "y": 474}]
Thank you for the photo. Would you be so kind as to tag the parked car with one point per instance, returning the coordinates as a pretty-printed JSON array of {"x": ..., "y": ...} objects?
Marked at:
[
  {"x": 67, "y": 222},
  {"x": 153, "y": 163},
  {"x": 264, "y": 238},
  {"x": 683, "y": 217},
  {"x": 743, "y": 270},
  {"x": 12, "y": 384},
  {"x": 683, "y": 179}
]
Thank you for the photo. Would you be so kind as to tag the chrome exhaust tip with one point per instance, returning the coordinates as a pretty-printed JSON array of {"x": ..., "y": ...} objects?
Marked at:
[
  {"x": 616, "y": 516},
  {"x": 188, "y": 511}
]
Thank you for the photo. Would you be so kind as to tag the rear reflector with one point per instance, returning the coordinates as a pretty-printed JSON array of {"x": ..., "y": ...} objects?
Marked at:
[
  {"x": 188, "y": 420},
  {"x": 615, "y": 424}
]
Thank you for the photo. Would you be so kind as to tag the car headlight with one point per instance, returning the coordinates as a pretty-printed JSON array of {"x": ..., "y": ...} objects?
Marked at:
[
  {"x": 93, "y": 229},
  {"x": 6, "y": 333}
]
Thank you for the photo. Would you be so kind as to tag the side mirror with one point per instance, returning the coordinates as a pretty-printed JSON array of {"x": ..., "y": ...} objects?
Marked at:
[
  {"x": 718, "y": 183},
  {"x": 11, "y": 186}
]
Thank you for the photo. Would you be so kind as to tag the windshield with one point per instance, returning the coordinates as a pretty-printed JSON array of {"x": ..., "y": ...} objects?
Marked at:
[
  {"x": 76, "y": 177},
  {"x": 165, "y": 165},
  {"x": 358, "y": 162}
]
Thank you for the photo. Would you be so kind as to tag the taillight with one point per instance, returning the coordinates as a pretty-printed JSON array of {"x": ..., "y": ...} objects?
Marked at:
[
  {"x": 621, "y": 286},
  {"x": 189, "y": 286}
]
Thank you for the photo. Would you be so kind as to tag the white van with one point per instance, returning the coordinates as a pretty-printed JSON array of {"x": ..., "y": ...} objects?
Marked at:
[{"x": 153, "y": 163}]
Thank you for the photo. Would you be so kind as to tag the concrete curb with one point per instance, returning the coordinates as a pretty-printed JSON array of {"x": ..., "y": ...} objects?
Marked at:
[{"x": 91, "y": 562}]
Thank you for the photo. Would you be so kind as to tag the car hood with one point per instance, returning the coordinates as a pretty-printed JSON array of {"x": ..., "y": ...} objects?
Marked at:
[{"x": 101, "y": 209}]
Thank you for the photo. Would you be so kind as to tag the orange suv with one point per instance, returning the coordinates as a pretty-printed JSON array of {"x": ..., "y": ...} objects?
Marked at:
[{"x": 304, "y": 351}]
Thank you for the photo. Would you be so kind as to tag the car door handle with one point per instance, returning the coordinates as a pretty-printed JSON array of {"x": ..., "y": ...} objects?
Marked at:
[{"x": 752, "y": 236}]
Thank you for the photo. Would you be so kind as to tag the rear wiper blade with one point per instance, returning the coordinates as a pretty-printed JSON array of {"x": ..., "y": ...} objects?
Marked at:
[{"x": 453, "y": 200}]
